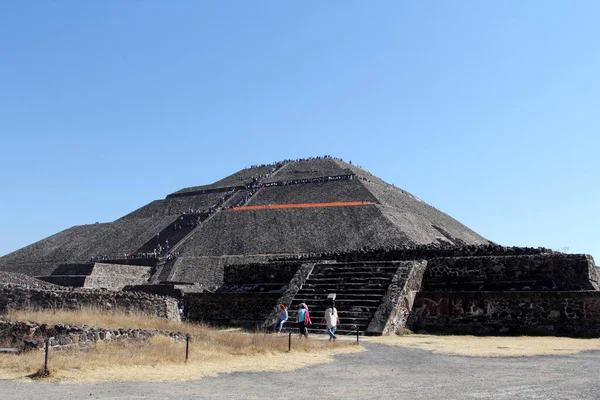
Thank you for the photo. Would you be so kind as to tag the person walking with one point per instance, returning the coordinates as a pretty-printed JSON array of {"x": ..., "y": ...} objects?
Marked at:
[
  {"x": 281, "y": 318},
  {"x": 331, "y": 319},
  {"x": 303, "y": 319}
]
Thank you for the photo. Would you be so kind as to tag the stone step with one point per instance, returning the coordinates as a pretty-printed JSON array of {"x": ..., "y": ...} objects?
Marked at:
[
  {"x": 343, "y": 314},
  {"x": 319, "y": 309},
  {"x": 320, "y": 290},
  {"x": 357, "y": 266},
  {"x": 349, "y": 279},
  {"x": 475, "y": 286},
  {"x": 254, "y": 288},
  {"x": 318, "y": 297},
  {"x": 340, "y": 296},
  {"x": 351, "y": 275},
  {"x": 349, "y": 285},
  {"x": 341, "y": 302},
  {"x": 345, "y": 321},
  {"x": 357, "y": 311},
  {"x": 335, "y": 270}
]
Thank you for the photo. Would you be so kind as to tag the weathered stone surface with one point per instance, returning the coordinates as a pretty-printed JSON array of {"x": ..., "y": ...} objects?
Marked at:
[
  {"x": 31, "y": 335},
  {"x": 260, "y": 273},
  {"x": 230, "y": 308},
  {"x": 99, "y": 275},
  {"x": 250, "y": 258},
  {"x": 288, "y": 296},
  {"x": 18, "y": 298},
  {"x": 391, "y": 217},
  {"x": 542, "y": 272},
  {"x": 115, "y": 276},
  {"x": 14, "y": 278},
  {"x": 396, "y": 306},
  {"x": 514, "y": 313},
  {"x": 80, "y": 243}
]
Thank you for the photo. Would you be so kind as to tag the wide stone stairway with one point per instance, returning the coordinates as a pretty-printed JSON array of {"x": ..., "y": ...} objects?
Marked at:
[
  {"x": 359, "y": 288},
  {"x": 182, "y": 226}
]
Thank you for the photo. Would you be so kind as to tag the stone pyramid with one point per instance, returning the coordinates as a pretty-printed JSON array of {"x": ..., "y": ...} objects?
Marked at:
[{"x": 289, "y": 208}]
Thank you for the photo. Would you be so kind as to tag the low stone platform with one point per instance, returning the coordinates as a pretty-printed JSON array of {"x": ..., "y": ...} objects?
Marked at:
[{"x": 567, "y": 313}]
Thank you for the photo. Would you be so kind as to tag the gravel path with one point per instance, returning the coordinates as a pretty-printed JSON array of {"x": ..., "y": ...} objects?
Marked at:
[{"x": 382, "y": 372}]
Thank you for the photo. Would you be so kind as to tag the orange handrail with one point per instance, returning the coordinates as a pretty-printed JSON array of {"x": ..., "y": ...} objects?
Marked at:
[{"x": 303, "y": 205}]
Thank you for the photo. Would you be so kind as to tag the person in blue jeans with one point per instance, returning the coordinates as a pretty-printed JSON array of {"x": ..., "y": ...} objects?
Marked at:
[
  {"x": 331, "y": 319},
  {"x": 281, "y": 318},
  {"x": 303, "y": 319}
]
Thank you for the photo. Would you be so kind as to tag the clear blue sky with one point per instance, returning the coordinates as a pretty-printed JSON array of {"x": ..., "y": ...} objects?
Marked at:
[{"x": 489, "y": 111}]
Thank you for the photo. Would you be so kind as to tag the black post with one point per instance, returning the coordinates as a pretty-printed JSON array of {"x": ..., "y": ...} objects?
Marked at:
[
  {"x": 187, "y": 346},
  {"x": 290, "y": 342},
  {"x": 357, "y": 335},
  {"x": 46, "y": 357}
]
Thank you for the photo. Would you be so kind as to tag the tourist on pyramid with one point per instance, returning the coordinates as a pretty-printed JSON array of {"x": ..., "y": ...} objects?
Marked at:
[{"x": 281, "y": 318}]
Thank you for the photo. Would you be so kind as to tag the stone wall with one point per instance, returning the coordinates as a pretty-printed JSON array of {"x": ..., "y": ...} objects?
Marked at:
[
  {"x": 420, "y": 252},
  {"x": 248, "y": 309},
  {"x": 209, "y": 270},
  {"x": 394, "y": 311},
  {"x": 169, "y": 290},
  {"x": 65, "y": 281},
  {"x": 206, "y": 270},
  {"x": 543, "y": 272},
  {"x": 509, "y": 313},
  {"x": 148, "y": 262},
  {"x": 31, "y": 335},
  {"x": 20, "y": 298},
  {"x": 594, "y": 272},
  {"x": 288, "y": 295},
  {"x": 260, "y": 273},
  {"x": 116, "y": 277},
  {"x": 99, "y": 275},
  {"x": 74, "y": 269}
]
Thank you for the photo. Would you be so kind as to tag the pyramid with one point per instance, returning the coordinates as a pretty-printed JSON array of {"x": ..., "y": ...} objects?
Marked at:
[
  {"x": 289, "y": 208},
  {"x": 304, "y": 231}
]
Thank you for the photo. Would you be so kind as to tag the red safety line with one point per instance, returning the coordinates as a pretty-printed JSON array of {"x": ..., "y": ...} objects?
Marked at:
[{"x": 303, "y": 205}]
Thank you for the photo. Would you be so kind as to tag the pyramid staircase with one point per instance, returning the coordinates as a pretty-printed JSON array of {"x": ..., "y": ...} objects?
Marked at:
[
  {"x": 359, "y": 288},
  {"x": 177, "y": 230},
  {"x": 164, "y": 268},
  {"x": 162, "y": 271}
]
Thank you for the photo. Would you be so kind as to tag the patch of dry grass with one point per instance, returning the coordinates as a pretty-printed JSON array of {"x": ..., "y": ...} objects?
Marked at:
[
  {"x": 492, "y": 346},
  {"x": 94, "y": 317},
  {"x": 212, "y": 351}
]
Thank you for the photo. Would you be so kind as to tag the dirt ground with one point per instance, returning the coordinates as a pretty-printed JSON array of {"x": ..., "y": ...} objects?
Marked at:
[{"x": 383, "y": 371}]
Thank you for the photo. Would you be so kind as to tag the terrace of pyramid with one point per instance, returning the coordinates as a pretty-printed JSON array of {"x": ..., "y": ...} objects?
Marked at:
[{"x": 300, "y": 230}]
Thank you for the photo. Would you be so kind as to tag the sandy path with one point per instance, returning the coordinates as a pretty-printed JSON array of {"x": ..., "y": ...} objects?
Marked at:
[{"x": 381, "y": 372}]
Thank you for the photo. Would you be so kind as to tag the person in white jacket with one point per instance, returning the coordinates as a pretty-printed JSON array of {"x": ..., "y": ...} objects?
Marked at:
[{"x": 332, "y": 319}]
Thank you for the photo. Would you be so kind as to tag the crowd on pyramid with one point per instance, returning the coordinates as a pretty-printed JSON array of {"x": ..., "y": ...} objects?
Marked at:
[
  {"x": 251, "y": 189},
  {"x": 309, "y": 180},
  {"x": 280, "y": 164}
]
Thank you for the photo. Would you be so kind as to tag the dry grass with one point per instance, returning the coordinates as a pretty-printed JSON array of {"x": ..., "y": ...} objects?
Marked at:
[
  {"x": 95, "y": 317},
  {"x": 492, "y": 346},
  {"x": 212, "y": 351}
]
